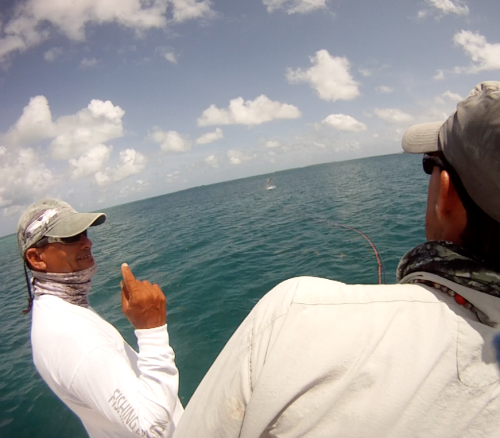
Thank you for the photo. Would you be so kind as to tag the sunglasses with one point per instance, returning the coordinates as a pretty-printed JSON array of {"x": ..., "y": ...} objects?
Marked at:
[
  {"x": 64, "y": 240},
  {"x": 431, "y": 161}
]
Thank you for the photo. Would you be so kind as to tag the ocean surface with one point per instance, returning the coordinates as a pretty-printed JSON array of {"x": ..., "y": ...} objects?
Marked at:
[{"x": 215, "y": 251}]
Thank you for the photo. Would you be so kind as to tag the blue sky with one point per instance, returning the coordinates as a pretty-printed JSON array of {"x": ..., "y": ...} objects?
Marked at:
[{"x": 103, "y": 102}]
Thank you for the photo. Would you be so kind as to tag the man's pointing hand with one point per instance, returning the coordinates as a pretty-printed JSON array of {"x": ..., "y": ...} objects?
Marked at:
[{"x": 143, "y": 303}]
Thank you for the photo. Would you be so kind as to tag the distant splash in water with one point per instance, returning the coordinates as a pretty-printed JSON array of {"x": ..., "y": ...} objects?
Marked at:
[{"x": 270, "y": 185}]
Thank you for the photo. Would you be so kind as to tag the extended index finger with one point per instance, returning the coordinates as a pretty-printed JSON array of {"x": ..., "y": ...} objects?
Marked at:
[{"x": 128, "y": 277}]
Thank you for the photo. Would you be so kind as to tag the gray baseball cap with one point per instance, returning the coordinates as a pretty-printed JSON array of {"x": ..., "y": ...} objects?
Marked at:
[
  {"x": 470, "y": 142},
  {"x": 52, "y": 218}
]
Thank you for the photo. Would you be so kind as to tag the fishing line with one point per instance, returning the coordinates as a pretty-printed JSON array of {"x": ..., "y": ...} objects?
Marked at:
[
  {"x": 380, "y": 263},
  {"x": 381, "y": 267}
]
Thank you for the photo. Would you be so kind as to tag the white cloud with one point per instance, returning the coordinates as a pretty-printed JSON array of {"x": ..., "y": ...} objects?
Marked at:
[
  {"x": 392, "y": 115},
  {"x": 329, "y": 76},
  {"x": 439, "y": 75},
  {"x": 447, "y": 7},
  {"x": 52, "y": 54},
  {"x": 33, "y": 126},
  {"x": 447, "y": 97},
  {"x": 33, "y": 20},
  {"x": 190, "y": 9},
  {"x": 384, "y": 89},
  {"x": 250, "y": 112},
  {"x": 71, "y": 135},
  {"x": 170, "y": 141},
  {"x": 365, "y": 72},
  {"x": 88, "y": 63},
  {"x": 173, "y": 176},
  {"x": 170, "y": 57},
  {"x": 272, "y": 144},
  {"x": 212, "y": 161},
  {"x": 91, "y": 161},
  {"x": 167, "y": 53},
  {"x": 342, "y": 122},
  {"x": 210, "y": 137},
  {"x": 91, "y": 126},
  {"x": 294, "y": 6},
  {"x": 131, "y": 162},
  {"x": 23, "y": 178},
  {"x": 237, "y": 157},
  {"x": 139, "y": 186},
  {"x": 485, "y": 56}
]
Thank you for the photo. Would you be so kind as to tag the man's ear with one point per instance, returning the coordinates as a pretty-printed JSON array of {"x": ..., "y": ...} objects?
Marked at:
[
  {"x": 450, "y": 210},
  {"x": 35, "y": 260}
]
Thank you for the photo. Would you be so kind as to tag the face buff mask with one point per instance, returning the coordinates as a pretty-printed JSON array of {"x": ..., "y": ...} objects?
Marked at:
[{"x": 73, "y": 287}]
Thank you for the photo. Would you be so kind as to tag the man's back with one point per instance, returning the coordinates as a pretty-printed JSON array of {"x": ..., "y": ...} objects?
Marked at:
[{"x": 320, "y": 358}]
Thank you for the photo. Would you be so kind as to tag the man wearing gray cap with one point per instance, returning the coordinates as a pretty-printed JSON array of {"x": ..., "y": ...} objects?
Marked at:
[
  {"x": 115, "y": 391},
  {"x": 319, "y": 358}
]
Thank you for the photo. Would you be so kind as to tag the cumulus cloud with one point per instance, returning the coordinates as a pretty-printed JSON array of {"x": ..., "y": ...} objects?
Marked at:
[
  {"x": 329, "y": 76},
  {"x": 444, "y": 7},
  {"x": 485, "y": 56},
  {"x": 91, "y": 126},
  {"x": 190, "y": 9},
  {"x": 294, "y": 6},
  {"x": 439, "y": 75},
  {"x": 342, "y": 122},
  {"x": 167, "y": 53},
  {"x": 34, "y": 20},
  {"x": 90, "y": 162},
  {"x": 212, "y": 161},
  {"x": 210, "y": 137},
  {"x": 384, "y": 89},
  {"x": 130, "y": 163},
  {"x": 170, "y": 141},
  {"x": 173, "y": 176},
  {"x": 392, "y": 115},
  {"x": 136, "y": 187},
  {"x": 365, "y": 72},
  {"x": 250, "y": 112},
  {"x": 23, "y": 178},
  {"x": 34, "y": 125},
  {"x": 51, "y": 54},
  {"x": 447, "y": 97},
  {"x": 170, "y": 57},
  {"x": 71, "y": 135},
  {"x": 238, "y": 157},
  {"x": 88, "y": 63},
  {"x": 272, "y": 144}
]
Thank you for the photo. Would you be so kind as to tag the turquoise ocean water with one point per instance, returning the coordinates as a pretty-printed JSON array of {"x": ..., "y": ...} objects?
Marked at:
[{"x": 215, "y": 251}]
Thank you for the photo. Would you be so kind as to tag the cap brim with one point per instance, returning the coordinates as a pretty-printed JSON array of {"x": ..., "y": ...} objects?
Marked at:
[
  {"x": 422, "y": 138},
  {"x": 75, "y": 224}
]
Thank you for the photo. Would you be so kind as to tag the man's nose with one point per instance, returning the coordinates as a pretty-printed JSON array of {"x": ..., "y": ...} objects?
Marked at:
[{"x": 85, "y": 241}]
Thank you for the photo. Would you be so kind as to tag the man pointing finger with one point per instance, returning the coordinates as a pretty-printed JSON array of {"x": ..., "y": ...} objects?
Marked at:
[
  {"x": 143, "y": 303},
  {"x": 115, "y": 391}
]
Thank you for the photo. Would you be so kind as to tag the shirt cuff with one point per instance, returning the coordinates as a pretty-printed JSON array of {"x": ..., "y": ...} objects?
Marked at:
[{"x": 154, "y": 337}]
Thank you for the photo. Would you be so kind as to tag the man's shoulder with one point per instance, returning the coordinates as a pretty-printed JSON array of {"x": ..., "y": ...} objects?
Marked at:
[
  {"x": 317, "y": 291},
  {"x": 55, "y": 321}
]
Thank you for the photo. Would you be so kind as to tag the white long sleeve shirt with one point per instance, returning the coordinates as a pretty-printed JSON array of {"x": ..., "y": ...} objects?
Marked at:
[
  {"x": 317, "y": 358},
  {"x": 115, "y": 391}
]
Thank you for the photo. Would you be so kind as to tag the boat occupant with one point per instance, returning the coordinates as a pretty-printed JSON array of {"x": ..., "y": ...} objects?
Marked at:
[
  {"x": 319, "y": 358},
  {"x": 115, "y": 391}
]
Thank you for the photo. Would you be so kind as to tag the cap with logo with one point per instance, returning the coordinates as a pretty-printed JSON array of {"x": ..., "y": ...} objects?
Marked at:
[
  {"x": 52, "y": 218},
  {"x": 470, "y": 142}
]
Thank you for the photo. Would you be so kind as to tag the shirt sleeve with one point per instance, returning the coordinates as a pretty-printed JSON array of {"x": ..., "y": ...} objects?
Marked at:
[{"x": 140, "y": 397}]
